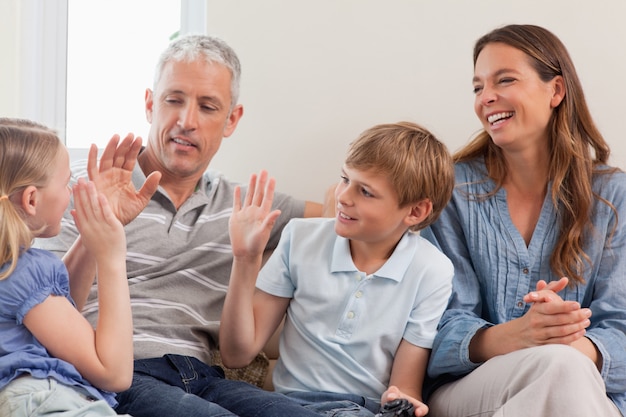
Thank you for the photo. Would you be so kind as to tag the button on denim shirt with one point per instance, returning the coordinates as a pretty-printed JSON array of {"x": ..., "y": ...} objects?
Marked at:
[{"x": 494, "y": 269}]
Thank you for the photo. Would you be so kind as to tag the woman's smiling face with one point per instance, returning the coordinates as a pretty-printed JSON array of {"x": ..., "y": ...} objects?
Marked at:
[{"x": 512, "y": 102}]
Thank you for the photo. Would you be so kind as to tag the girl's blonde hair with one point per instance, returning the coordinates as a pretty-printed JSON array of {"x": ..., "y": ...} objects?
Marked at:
[{"x": 27, "y": 154}]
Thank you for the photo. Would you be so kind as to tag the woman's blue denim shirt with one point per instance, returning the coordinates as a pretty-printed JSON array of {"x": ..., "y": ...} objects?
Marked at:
[{"x": 494, "y": 269}]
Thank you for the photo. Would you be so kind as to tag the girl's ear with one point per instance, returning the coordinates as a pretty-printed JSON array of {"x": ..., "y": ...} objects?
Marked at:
[
  {"x": 29, "y": 200},
  {"x": 419, "y": 212}
]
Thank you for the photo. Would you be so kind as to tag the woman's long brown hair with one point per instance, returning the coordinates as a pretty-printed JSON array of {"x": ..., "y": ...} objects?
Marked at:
[{"x": 576, "y": 146}]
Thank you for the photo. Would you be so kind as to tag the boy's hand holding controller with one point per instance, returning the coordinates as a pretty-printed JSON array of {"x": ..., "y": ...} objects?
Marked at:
[{"x": 397, "y": 404}]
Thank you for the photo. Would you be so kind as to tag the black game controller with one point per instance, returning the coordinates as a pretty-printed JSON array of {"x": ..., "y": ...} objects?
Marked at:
[{"x": 397, "y": 408}]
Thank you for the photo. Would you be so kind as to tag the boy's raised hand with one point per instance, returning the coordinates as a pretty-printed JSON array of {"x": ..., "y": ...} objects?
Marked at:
[{"x": 252, "y": 220}]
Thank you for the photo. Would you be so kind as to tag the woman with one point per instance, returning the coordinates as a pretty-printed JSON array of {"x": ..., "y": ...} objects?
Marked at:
[{"x": 536, "y": 324}]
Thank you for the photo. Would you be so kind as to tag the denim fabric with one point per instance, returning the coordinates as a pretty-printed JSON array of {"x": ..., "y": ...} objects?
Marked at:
[
  {"x": 332, "y": 404},
  {"x": 494, "y": 269},
  {"x": 175, "y": 385},
  {"x": 27, "y": 396}
]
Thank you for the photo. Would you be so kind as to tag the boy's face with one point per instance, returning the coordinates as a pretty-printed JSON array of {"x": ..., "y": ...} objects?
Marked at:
[{"x": 367, "y": 208}]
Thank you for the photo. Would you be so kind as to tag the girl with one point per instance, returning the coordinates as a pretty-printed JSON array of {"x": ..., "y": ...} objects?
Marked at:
[{"x": 51, "y": 359}]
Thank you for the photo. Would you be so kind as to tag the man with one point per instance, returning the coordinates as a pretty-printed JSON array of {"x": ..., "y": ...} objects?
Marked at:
[{"x": 179, "y": 254}]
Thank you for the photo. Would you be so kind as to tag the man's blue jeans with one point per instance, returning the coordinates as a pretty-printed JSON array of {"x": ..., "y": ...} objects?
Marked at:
[
  {"x": 175, "y": 385},
  {"x": 330, "y": 404}
]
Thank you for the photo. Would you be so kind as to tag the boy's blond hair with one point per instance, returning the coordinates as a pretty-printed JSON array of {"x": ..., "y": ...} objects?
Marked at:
[{"x": 417, "y": 164}]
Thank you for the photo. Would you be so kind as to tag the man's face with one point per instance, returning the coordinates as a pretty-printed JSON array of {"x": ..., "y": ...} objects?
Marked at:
[{"x": 190, "y": 112}]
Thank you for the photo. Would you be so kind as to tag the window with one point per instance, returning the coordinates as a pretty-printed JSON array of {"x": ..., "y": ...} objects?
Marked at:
[
  {"x": 112, "y": 47},
  {"x": 87, "y": 63}
]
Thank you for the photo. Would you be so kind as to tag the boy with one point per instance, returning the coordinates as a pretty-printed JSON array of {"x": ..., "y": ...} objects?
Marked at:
[{"x": 362, "y": 293}]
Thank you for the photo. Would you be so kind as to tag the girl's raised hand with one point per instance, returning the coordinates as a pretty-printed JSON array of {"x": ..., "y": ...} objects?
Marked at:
[{"x": 102, "y": 233}]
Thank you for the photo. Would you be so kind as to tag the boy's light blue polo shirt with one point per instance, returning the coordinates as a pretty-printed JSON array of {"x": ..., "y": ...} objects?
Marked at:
[{"x": 343, "y": 326}]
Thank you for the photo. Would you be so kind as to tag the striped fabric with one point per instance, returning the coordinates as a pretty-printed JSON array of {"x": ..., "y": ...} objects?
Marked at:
[{"x": 178, "y": 266}]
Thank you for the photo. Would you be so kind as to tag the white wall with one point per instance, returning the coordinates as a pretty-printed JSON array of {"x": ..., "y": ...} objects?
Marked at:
[
  {"x": 9, "y": 98},
  {"x": 316, "y": 73}
]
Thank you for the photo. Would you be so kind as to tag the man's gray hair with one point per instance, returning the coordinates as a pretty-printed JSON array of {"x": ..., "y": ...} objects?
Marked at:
[{"x": 210, "y": 48}]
